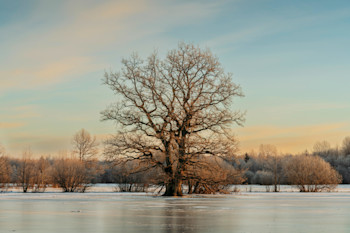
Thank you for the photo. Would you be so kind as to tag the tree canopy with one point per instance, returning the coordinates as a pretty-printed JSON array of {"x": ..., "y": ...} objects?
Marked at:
[{"x": 173, "y": 112}]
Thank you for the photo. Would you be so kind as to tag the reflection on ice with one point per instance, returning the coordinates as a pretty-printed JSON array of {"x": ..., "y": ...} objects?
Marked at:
[{"x": 110, "y": 212}]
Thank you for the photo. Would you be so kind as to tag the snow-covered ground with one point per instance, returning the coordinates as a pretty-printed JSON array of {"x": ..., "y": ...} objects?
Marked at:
[
  {"x": 284, "y": 188},
  {"x": 111, "y": 188}
]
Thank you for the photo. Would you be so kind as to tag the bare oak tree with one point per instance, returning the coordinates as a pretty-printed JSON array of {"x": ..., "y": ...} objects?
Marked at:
[
  {"x": 84, "y": 145},
  {"x": 171, "y": 111}
]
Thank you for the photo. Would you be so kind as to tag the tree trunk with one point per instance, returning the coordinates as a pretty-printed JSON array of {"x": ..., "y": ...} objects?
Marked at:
[
  {"x": 190, "y": 187},
  {"x": 173, "y": 188}
]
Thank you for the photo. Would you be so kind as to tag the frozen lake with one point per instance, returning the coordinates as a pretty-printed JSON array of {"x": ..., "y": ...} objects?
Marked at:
[{"x": 114, "y": 212}]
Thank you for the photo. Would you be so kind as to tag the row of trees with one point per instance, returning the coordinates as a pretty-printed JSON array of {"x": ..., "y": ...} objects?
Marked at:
[
  {"x": 79, "y": 169},
  {"x": 36, "y": 175},
  {"x": 74, "y": 175},
  {"x": 72, "y": 172},
  {"x": 308, "y": 171},
  {"x": 316, "y": 171}
]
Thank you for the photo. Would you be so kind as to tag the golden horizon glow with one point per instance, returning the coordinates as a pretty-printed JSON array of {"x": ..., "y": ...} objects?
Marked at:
[{"x": 291, "y": 139}]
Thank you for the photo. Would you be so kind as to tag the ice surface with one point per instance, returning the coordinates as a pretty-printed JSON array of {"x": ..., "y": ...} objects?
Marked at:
[{"x": 129, "y": 212}]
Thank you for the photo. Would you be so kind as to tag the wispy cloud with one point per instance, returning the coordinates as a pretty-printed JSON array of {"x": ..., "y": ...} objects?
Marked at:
[
  {"x": 39, "y": 144},
  {"x": 24, "y": 112},
  {"x": 10, "y": 125},
  {"x": 73, "y": 45},
  {"x": 45, "y": 73}
]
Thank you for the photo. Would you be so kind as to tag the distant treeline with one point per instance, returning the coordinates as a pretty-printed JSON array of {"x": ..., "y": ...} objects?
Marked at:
[
  {"x": 320, "y": 170},
  {"x": 267, "y": 167}
]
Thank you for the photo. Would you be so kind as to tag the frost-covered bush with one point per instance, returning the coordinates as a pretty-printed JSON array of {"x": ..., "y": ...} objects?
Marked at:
[{"x": 311, "y": 173}]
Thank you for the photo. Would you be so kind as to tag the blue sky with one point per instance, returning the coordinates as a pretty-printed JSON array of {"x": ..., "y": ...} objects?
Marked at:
[{"x": 290, "y": 57}]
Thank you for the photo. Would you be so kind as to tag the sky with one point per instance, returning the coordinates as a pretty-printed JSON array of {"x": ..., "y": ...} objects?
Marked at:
[{"x": 291, "y": 59}]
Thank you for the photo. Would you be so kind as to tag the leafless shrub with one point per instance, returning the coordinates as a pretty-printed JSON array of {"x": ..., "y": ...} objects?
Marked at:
[
  {"x": 130, "y": 177},
  {"x": 213, "y": 176},
  {"x": 263, "y": 177},
  {"x": 70, "y": 174},
  {"x": 311, "y": 174}
]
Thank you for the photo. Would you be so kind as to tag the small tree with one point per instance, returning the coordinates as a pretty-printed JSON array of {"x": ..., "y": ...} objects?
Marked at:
[
  {"x": 273, "y": 163},
  {"x": 41, "y": 176},
  {"x": 346, "y": 146},
  {"x": 311, "y": 173},
  {"x": 26, "y": 171},
  {"x": 322, "y": 149},
  {"x": 5, "y": 170},
  {"x": 84, "y": 145}
]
